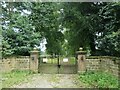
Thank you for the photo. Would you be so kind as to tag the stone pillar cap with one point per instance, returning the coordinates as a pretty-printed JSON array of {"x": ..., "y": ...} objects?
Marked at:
[
  {"x": 34, "y": 51},
  {"x": 35, "y": 48},
  {"x": 81, "y": 51}
]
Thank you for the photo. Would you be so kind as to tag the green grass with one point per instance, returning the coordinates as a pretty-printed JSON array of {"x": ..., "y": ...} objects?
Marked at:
[
  {"x": 99, "y": 79},
  {"x": 14, "y": 77}
]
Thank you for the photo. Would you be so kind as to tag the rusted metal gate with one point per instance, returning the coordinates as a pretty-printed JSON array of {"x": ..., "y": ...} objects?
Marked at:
[{"x": 57, "y": 64}]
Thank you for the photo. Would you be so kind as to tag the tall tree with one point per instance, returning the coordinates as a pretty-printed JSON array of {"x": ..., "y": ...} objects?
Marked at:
[
  {"x": 81, "y": 30},
  {"x": 93, "y": 25},
  {"x": 19, "y": 36},
  {"x": 46, "y": 19},
  {"x": 109, "y": 40}
]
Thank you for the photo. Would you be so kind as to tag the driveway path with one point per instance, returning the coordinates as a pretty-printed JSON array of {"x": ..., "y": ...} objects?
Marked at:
[{"x": 52, "y": 81}]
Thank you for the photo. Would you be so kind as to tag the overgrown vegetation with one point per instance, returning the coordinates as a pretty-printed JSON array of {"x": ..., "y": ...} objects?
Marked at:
[
  {"x": 14, "y": 77},
  {"x": 99, "y": 79}
]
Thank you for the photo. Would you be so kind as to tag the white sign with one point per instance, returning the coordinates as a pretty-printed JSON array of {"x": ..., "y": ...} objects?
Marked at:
[
  {"x": 45, "y": 60},
  {"x": 65, "y": 59}
]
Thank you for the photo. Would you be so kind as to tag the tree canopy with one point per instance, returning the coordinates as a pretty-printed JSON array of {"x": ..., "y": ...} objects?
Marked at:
[
  {"x": 94, "y": 26},
  {"x": 65, "y": 26}
]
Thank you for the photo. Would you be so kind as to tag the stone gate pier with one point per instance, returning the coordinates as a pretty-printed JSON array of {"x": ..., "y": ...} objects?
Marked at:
[
  {"x": 34, "y": 56},
  {"x": 81, "y": 60}
]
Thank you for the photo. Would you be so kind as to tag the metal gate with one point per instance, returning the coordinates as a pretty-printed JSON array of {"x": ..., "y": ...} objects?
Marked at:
[{"x": 57, "y": 65}]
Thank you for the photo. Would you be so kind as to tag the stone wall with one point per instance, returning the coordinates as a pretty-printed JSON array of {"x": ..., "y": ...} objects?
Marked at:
[
  {"x": 15, "y": 63},
  {"x": 106, "y": 64},
  {"x": 92, "y": 64},
  {"x": 21, "y": 62}
]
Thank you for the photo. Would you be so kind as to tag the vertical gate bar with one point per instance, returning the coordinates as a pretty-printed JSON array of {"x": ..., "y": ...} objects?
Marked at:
[
  {"x": 58, "y": 64},
  {"x": 29, "y": 64}
]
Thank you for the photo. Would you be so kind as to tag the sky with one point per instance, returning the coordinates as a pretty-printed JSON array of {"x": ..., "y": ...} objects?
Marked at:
[{"x": 42, "y": 45}]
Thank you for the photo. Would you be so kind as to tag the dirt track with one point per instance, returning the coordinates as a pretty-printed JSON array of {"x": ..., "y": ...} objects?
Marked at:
[{"x": 51, "y": 81}]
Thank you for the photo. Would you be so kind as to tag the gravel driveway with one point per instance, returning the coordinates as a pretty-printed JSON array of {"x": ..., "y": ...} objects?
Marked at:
[{"x": 51, "y": 81}]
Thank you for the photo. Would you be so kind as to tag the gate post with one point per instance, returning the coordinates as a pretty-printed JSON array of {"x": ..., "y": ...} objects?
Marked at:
[
  {"x": 81, "y": 60},
  {"x": 34, "y": 55}
]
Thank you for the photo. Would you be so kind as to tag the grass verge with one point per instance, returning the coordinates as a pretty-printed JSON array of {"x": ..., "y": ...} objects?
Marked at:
[
  {"x": 14, "y": 77},
  {"x": 99, "y": 80}
]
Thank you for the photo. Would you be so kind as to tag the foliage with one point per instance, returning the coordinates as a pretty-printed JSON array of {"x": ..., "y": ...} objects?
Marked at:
[
  {"x": 110, "y": 38},
  {"x": 46, "y": 19},
  {"x": 94, "y": 26},
  {"x": 65, "y": 26},
  {"x": 81, "y": 32},
  {"x": 99, "y": 79},
  {"x": 14, "y": 77},
  {"x": 22, "y": 31},
  {"x": 19, "y": 36}
]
